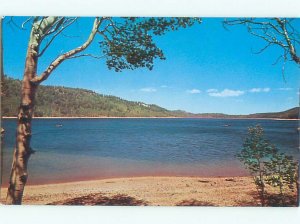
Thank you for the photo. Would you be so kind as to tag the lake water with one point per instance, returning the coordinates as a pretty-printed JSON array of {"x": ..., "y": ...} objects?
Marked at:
[{"x": 83, "y": 149}]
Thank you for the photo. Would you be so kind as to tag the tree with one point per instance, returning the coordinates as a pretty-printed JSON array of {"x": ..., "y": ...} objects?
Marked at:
[
  {"x": 256, "y": 150},
  {"x": 276, "y": 32},
  {"x": 126, "y": 43},
  {"x": 267, "y": 165}
]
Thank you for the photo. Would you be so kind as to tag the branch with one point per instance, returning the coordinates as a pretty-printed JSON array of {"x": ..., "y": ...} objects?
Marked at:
[
  {"x": 38, "y": 79},
  {"x": 277, "y": 60},
  {"x": 288, "y": 40},
  {"x": 263, "y": 49},
  {"x": 55, "y": 35},
  {"x": 11, "y": 21},
  {"x": 55, "y": 26},
  {"x": 270, "y": 39},
  {"x": 41, "y": 22},
  {"x": 26, "y": 21},
  {"x": 86, "y": 55}
]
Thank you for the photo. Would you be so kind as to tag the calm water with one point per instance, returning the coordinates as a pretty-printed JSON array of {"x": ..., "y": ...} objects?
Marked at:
[{"x": 98, "y": 148}]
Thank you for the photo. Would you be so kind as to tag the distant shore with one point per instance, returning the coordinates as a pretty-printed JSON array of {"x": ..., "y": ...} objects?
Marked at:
[{"x": 105, "y": 117}]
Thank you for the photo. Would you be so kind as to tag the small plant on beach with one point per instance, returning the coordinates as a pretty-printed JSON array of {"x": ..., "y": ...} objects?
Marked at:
[
  {"x": 268, "y": 166},
  {"x": 282, "y": 173},
  {"x": 255, "y": 152}
]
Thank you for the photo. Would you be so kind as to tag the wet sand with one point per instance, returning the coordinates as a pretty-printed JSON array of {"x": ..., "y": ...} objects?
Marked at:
[{"x": 156, "y": 191}]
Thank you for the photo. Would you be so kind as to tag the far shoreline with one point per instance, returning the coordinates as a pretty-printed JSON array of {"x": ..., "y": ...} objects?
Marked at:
[{"x": 105, "y": 117}]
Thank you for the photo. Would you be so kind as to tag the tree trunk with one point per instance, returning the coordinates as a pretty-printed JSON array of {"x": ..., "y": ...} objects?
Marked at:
[
  {"x": 22, "y": 151},
  {"x": 262, "y": 184}
]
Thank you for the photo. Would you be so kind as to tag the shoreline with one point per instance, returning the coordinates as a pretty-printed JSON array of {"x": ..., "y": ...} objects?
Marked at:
[
  {"x": 75, "y": 182},
  {"x": 104, "y": 117},
  {"x": 153, "y": 190},
  {"x": 80, "y": 180},
  {"x": 150, "y": 190}
]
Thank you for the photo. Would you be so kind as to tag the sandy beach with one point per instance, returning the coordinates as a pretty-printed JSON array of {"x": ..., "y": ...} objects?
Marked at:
[{"x": 151, "y": 191}]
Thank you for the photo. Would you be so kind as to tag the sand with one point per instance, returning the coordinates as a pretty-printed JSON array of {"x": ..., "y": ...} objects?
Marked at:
[
  {"x": 153, "y": 191},
  {"x": 156, "y": 191}
]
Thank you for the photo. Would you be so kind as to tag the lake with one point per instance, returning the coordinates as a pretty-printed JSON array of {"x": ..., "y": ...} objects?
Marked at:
[{"x": 84, "y": 149}]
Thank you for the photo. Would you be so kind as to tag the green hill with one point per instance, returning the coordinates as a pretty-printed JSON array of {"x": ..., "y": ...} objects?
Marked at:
[
  {"x": 288, "y": 114},
  {"x": 57, "y": 101}
]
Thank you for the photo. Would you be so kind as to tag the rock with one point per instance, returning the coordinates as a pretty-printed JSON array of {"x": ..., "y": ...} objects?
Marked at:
[
  {"x": 203, "y": 181},
  {"x": 230, "y": 179}
]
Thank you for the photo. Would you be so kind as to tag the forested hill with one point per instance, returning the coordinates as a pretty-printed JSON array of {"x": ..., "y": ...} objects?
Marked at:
[
  {"x": 288, "y": 114},
  {"x": 56, "y": 101}
]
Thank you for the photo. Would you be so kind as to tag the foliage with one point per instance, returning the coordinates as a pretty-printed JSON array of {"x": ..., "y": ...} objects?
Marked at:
[
  {"x": 267, "y": 165},
  {"x": 129, "y": 43},
  {"x": 254, "y": 153},
  {"x": 57, "y": 101},
  {"x": 63, "y": 102},
  {"x": 281, "y": 172}
]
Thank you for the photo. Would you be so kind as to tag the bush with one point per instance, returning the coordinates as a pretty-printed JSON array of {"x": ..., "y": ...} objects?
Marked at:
[{"x": 267, "y": 165}]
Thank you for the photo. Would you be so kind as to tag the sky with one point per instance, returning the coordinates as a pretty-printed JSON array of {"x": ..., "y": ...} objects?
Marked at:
[{"x": 207, "y": 69}]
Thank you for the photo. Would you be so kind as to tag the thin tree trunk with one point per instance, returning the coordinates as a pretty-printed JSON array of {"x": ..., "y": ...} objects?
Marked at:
[
  {"x": 262, "y": 193},
  {"x": 22, "y": 151}
]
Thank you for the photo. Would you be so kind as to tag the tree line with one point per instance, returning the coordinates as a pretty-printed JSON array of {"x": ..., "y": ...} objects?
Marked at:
[{"x": 58, "y": 101}]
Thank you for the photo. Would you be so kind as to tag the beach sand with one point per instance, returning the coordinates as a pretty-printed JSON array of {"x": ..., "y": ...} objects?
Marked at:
[{"x": 156, "y": 191}]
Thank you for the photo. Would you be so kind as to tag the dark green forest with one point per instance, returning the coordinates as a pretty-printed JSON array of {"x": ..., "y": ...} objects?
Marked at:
[{"x": 58, "y": 101}]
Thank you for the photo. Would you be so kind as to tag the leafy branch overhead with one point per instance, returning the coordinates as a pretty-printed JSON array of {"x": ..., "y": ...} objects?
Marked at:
[{"x": 126, "y": 43}]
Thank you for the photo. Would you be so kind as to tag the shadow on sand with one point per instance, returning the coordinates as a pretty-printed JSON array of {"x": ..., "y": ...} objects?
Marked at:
[
  {"x": 194, "y": 202},
  {"x": 271, "y": 200},
  {"x": 99, "y": 199}
]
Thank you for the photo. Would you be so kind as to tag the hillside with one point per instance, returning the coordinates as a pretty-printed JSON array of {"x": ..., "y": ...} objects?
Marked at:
[
  {"x": 288, "y": 114},
  {"x": 57, "y": 101}
]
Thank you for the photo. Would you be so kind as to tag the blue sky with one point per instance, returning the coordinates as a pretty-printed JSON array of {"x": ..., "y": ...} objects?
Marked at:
[{"x": 208, "y": 69}]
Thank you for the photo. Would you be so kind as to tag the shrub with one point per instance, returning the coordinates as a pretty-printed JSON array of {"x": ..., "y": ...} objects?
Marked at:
[
  {"x": 267, "y": 165},
  {"x": 256, "y": 150}
]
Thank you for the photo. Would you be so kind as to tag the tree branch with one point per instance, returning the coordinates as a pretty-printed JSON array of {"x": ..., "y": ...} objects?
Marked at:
[
  {"x": 274, "y": 31},
  {"x": 55, "y": 26},
  {"x": 288, "y": 40},
  {"x": 55, "y": 35},
  {"x": 26, "y": 21},
  {"x": 38, "y": 79},
  {"x": 86, "y": 55}
]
